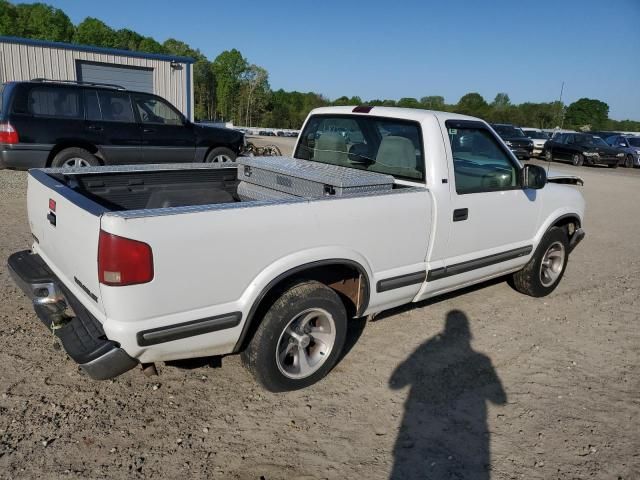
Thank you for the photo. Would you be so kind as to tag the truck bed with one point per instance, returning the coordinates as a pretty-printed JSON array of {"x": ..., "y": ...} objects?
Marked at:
[{"x": 139, "y": 187}]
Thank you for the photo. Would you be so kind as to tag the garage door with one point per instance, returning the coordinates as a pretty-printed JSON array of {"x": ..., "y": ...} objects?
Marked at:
[{"x": 138, "y": 79}]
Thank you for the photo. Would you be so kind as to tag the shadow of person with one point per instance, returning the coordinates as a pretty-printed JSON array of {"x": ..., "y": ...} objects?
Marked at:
[{"x": 444, "y": 433}]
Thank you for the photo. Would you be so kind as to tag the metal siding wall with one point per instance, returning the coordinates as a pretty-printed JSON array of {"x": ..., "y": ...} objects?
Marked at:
[{"x": 24, "y": 62}]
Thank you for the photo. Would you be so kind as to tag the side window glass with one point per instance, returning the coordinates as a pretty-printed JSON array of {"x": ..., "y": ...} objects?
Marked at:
[
  {"x": 570, "y": 139},
  {"x": 92, "y": 106},
  {"x": 154, "y": 110},
  {"x": 479, "y": 163},
  {"x": 55, "y": 102},
  {"x": 116, "y": 107}
]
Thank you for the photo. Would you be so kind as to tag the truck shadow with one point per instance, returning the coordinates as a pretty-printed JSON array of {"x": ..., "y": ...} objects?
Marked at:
[{"x": 444, "y": 432}]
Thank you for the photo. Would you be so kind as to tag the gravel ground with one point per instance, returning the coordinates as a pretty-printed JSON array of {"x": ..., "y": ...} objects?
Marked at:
[{"x": 485, "y": 381}]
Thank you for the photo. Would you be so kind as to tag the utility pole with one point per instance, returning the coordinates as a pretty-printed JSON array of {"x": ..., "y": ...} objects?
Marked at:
[{"x": 561, "y": 106}]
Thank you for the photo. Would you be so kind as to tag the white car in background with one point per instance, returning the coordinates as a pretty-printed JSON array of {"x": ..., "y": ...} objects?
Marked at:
[{"x": 539, "y": 138}]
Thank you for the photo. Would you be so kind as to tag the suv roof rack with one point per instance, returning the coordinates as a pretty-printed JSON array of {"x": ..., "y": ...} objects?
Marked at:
[{"x": 80, "y": 82}]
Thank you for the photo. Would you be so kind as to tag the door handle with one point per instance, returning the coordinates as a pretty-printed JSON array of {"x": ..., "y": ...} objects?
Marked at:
[
  {"x": 460, "y": 214},
  {"x": 149, "y": 130},
  {"x": 97, "y": 128}
]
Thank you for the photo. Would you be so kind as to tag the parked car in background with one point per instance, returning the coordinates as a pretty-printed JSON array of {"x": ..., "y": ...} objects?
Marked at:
[
  {"x": 75, "y": 124},
  {"x": 515, "y": 139},
  {"x": 630, "y": 145},
  {"x": 582, "y": 148},
  {"x": 539, "y": 138}
]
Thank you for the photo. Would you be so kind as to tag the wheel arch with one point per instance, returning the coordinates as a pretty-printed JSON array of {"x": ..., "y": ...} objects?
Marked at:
[
  {"x": 88, "y": 146},
  {"x": 348, "y": 278}
]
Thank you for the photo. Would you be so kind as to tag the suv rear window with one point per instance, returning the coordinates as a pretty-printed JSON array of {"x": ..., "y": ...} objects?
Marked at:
[
  {"x": 55, "y": 102},
  {"x": 376, "y": 144}
]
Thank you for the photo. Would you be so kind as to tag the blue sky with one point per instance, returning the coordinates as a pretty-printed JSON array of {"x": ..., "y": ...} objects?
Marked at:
[{"x": 395, "y": 49}]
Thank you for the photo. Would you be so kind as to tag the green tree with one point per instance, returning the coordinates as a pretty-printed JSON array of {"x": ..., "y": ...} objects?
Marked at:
[
  {"x": 92, "y": 31},
  {"x": 9, "y": 19},
  {"x": 228, "y": 68},
  {"x": 127, "y": 39},
  {"x": 37, "y": 20},
  {"x": 587, "y": 112},
  {"x": 150, "y": 45},
  {"x": 408, "y": 102},
  {"x": 472, "y": 104},
  {"x": 433, "y": 102}
]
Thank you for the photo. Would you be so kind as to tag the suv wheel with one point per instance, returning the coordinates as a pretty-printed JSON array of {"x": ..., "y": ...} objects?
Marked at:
[
  {"x": 629, "y": 161},
  {"x": 548, "y": 156},
  {"x": 220, "y": 155},
  {"x": 577, "y": 160},
  {"x": 299, "y": 339},
  {"x": 74, "y": 157}
]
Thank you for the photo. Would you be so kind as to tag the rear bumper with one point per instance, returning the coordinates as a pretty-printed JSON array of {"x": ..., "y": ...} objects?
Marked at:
[
  {"x": 23, "y": 157},
  {"x": 81, "y": 334}
]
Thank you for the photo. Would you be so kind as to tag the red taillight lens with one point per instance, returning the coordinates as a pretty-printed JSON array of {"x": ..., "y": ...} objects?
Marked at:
[
  {"x": 122, "y": 261},
  {"x": 8, "y": 134}
]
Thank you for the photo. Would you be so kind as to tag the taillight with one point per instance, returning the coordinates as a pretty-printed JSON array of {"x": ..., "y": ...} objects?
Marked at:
[
  {"x": 122, "y": 261},
  {"x": 8, "y": 134}
]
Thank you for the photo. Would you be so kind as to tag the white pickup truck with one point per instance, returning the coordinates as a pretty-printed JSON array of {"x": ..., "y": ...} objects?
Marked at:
[{"x": 151, "y": 263}]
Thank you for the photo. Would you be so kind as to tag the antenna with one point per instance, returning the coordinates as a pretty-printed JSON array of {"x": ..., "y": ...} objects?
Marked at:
[{"x": 561, "y": 124}]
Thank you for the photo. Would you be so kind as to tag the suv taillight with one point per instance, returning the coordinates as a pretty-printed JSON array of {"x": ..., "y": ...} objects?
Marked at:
[
  {"x": 8, "y": 134},
  {"x": 122, "y": 261}
]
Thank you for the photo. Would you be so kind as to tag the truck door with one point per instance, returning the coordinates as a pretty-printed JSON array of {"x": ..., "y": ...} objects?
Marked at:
[{"x": 492, "y": 220}]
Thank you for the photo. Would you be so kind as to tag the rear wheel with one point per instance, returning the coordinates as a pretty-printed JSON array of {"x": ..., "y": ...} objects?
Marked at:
[
  {"x": 74, "y": 157},
  {"x": 577, "y": 159},
  {"x": 299, "y": 339},
  {"x": 220, "y": 155},
  {"x": 543, "y": 272}
]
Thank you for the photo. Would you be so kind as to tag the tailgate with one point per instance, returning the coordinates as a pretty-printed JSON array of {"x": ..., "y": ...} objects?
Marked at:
[{"x": 66, "y": 227}]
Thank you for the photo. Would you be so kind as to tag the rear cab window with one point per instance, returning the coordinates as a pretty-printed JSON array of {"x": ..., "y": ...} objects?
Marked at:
[{"x": 377, "y": 144}]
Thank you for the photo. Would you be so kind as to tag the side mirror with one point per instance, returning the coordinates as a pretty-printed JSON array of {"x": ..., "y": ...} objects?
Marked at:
[{"x": 533, "y": 176}]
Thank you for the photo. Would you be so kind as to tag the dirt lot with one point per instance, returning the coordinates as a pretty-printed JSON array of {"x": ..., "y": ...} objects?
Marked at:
[{"x": 484, "y": 380}]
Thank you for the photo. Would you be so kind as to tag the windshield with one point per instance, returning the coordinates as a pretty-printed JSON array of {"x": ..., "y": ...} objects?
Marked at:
[
  {"x": 537, "y": 135},
  {"x": 376, "y": 144},
  {"x": 591, "y": 140},
  {"x": 634, "y": 141},
  {"x": 507, "y": 131}
]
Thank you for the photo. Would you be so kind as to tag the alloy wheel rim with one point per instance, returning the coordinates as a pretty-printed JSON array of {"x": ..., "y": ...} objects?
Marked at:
[
  {"x": 75, "y": 162},
  {"x": 576, "y": 159},
  {"x": 552, "y": 264},
  {"x": 306, "y": 343},
  {"x": 220, "y": 159}
]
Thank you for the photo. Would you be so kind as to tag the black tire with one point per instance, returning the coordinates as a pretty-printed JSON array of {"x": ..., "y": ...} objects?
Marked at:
[
  {"x": 220, "y": 155},
  {"x": 628, "y": 162},
  {"x": 577, "y": 159},
  {"x": 529, "y": 280},
  {"x": 74, "y": 156},
  {"x": 260, "y": 356}
]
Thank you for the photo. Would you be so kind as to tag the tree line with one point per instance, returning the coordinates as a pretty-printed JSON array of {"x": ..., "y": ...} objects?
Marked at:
[{"x": 230, "y": 88}]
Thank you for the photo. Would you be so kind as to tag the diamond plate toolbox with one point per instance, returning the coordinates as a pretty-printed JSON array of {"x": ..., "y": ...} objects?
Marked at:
[{"x": 307, "y": 179}]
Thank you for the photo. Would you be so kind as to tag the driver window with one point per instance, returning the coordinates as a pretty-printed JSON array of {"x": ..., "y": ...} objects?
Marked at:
[
  {"x": 479, "y": 162},
  {"x": 154, "y": 110}
]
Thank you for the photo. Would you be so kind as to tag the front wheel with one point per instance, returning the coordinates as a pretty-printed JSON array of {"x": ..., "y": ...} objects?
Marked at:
[
  {"x": 220, "y": 155},
  {"x": 543, "y": 272},
  {"x": 577, "y": 160},
  {"x": 299, "y": 339},
  {"x": 629, "y": 161}
]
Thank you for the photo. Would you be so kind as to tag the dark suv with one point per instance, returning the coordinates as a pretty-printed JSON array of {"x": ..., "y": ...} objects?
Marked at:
[
  {"x": 51, "y": 123},
  {"x": 581, "y": 149},
  {"x": 516, "y": 140}
]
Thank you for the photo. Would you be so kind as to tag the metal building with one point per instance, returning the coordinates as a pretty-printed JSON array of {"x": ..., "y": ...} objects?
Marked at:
[{"x": 168, "y": 76}]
